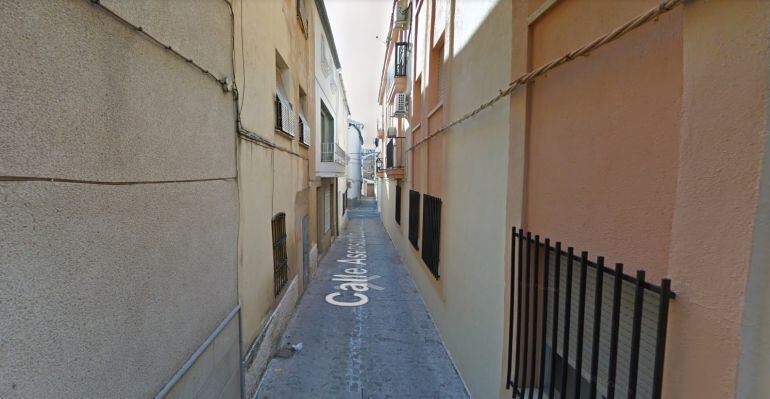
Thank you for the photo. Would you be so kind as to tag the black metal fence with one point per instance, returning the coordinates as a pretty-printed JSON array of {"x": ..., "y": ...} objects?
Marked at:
[
  {"x": 398, "y": 203},
  {"x": 582, "y": 330},
  {"x": 280, "y": 259},
  {"x": 431, "y": 232},
  {"x": 401, "y": 52},
  {"x": 414, "y": 218}
]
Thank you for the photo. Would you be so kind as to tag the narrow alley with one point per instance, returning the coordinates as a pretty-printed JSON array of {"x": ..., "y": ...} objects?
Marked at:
[
  {"x": 385, "y": 347},
  {"x": 278, "y": 199}
]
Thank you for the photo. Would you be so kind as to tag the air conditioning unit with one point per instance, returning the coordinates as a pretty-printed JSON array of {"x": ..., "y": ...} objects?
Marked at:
[
  {"x": 402, "y": 105},
  {"x": 402, "y": 15},
  {"x": 392, "y": 132}
]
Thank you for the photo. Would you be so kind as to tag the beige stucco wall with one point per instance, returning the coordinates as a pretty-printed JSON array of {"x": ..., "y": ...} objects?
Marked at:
[
  {"x": 724, "y": 128},
  {"x": 635, "y": 153},
  {"x": 466, "y": 302},
  {"x": 108, "y": 288},
  {"x": 516, "y": 165},
  {"x": 604, "y": 133}
]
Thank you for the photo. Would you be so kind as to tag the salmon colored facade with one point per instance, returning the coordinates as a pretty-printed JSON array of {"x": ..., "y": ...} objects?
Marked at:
[{"x": 650, "y": 151}]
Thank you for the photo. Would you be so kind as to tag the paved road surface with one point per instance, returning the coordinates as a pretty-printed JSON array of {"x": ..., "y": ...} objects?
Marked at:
[{"x": 386, "y": 348}]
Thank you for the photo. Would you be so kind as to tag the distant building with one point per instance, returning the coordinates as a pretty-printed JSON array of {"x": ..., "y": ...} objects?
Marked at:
[
  {"x": 181, "y": 170},
  {"x": 355, "y": 141},
  {"x": 648, "y": 152}
]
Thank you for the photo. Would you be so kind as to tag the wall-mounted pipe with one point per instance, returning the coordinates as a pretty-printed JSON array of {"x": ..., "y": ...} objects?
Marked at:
[{"x": 198, "y": 352}]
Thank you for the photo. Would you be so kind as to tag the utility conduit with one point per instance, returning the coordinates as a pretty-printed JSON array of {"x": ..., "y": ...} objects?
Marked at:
[
  {"x": 224, "y": 82},
  {"x": 618, "y": 32}
]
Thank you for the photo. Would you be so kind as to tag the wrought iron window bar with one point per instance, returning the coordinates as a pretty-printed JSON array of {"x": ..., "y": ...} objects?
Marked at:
[
  {"x": 280, "y": 258},
  {"x": 398, "y": 204},
  {"x": 414, "y": 218},
  {"x": 613, "y": 359},
  {"x": 431, "y": 232}
]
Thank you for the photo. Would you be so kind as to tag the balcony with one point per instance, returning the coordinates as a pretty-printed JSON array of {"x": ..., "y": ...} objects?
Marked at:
[
  {"x": 397, "y": 70},
  {"x": 394, "y": 161},
  {"x": 331, "y": 161}
]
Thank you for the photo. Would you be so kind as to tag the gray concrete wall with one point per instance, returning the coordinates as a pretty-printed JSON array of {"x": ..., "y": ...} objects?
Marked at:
[{"x": 109, "y": 283}]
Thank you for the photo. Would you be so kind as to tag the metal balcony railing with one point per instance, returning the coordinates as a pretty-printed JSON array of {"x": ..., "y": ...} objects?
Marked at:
[
  {"x": 332, "y": 152},
  {"x": 399, "y": 63},
  {"x": 340, "y": 156},
  {"x": 327, "y": 152}
]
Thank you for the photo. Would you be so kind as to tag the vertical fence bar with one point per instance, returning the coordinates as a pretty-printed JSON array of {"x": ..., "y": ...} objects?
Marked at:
[
  {"x": 526, "y": 312},
  {"x": 581, "y": 322},
  {"x": 544, "y": 321},
  {"x": 615, "y": 329},
  {"x": 518, "y": 313},
  {"x": 636, "y": 334},
  {"x": 555, "y": 330},
  {"x": 660, "y": 345},
  {"x": 568, "y": 300},
  {"x": 510, "y": 308},
  {"x": 597, "y": 326},
  {"x": 536, "y": 286}
]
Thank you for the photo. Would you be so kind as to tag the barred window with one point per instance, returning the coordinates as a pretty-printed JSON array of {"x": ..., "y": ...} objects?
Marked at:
[
  {"x": 398, "y": 204},
  {"x": 280, "y": 260},
  {"x": 414, "y": 218},
  {"x": 431, "y": 232}
]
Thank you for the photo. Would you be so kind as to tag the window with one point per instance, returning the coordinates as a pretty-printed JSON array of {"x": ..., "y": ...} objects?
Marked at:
[
  {"x": 398, "y": 203},
  {"x": 284, "y": 114},
  {"x": 327, "y": 135},
  {"x": 435, "y": 79},
  {"x": 301, "y": 18},
  {"x": 327, "y": 208},
  {"x": 400, "y": 59},
  {"x": 280, "y": 260},
  {"x": 417, "y": 101},
  {"x": 414, "y": 218},
  {"x": 303, "y": 127},
  {"x": 431, "y": 232}
]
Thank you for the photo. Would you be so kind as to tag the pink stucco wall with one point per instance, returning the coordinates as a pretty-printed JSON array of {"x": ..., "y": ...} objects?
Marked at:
[
  {"x": 649, "y": 152},
  {"x": 604, "y": 134}
]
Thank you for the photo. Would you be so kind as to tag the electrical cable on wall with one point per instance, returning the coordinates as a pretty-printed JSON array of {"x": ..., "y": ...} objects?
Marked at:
[
  {"x": 223, "y": 82},
  {"x": 528, "y": 77}
]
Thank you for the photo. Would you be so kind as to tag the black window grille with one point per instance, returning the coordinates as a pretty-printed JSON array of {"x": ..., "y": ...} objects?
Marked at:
[
  {"x": 398, "y": 203},
  {"x": 581, "y": 328},
  {"x": 414, "y": 218},
  {"x": 401, "y": 58},
  {"x": 389, "y": 154},
  {"x": 278, "y": 113},
  {"x": 345, "y": 201},
  {"x": 431, "y": 232},
  {"x": 280, "y": 260}
]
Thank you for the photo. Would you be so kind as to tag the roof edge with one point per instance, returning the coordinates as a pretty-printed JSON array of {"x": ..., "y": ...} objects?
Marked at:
[{"x": 321, "y": 7}]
